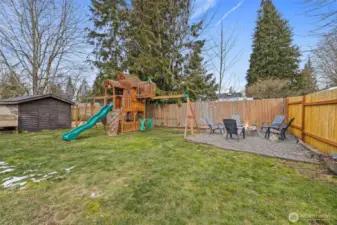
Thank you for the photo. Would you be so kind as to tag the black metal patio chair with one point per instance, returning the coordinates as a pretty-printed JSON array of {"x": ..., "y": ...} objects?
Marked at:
[{"x": 232, "y": 128}]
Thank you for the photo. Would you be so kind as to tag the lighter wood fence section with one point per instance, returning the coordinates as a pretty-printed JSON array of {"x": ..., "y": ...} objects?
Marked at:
[
  {"x": 255, "y": 111},
  {"x": 295, "y": 109},
  {"x": 315, "y": 119},
  {"x": 83, "y": 113}
]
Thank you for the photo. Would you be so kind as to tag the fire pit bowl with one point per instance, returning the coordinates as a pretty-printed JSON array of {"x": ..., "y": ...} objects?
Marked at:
[{"x": 251, "y": 130}]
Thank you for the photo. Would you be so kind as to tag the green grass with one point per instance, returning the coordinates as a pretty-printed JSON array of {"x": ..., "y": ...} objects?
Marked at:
[{"x": 156, "y": 177}]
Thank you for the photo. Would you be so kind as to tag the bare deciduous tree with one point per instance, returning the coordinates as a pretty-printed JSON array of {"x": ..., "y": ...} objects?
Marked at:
[
  {"x": 38, "y": 39},
  {"x": 325, "y": 13},
  {"x": 221, "y": 56},
  {"x": 325, "y": 58}
]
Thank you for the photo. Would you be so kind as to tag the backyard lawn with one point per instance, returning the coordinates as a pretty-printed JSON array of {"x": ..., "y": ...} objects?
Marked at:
[{"x": 154, "y": 177}]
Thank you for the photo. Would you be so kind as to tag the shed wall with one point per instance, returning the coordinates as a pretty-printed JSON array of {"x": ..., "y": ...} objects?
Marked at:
[{"x": 44, "y": 114}]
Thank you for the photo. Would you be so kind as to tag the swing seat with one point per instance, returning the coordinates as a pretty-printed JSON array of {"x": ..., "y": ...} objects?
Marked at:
[
  {"x": 142, "y": 124},
  {"x": 150, "y": 123}
]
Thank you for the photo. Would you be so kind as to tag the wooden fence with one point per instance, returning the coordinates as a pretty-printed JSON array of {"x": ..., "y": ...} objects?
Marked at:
[
  {"x": 315, "y": 115},
  {"x": 315, "y": 119},
  {"x": 253, "y": 111}
]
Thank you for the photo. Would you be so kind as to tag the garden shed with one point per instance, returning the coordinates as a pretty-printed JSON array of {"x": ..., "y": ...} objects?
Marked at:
[{"x": 39, "y": 112}]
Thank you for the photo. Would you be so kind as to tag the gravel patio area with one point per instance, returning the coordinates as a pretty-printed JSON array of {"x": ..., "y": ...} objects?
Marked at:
[{"x": 288, "y": 149}]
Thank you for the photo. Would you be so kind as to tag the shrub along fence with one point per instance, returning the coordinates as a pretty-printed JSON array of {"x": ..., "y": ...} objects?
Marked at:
[{"x": 315, "y": 119}]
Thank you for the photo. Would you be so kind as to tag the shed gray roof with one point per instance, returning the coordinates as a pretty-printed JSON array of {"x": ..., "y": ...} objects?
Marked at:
[{"x": 29, "y": 98}]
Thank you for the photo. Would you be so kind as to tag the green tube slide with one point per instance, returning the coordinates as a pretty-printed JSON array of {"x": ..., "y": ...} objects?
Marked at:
[{"x": 73, "y": 134}]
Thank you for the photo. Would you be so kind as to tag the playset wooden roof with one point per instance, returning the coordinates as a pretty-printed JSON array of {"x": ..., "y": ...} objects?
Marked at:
[{"x": 123, "y": 81}]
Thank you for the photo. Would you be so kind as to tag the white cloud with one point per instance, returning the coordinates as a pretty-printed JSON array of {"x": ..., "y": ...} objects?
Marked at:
[
  {"x": 202, "y": 6},
  {"x": 229, "y": 12}
]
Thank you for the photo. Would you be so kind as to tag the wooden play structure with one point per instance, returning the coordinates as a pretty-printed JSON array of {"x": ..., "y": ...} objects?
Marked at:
[{"x": 129, "y": 95}]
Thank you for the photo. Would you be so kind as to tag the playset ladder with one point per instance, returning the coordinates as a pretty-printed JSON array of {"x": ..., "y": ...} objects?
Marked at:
[{"x": 114, "y": 122}]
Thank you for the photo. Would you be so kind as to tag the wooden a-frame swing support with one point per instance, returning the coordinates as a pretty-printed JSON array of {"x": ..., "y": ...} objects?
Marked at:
[
  {"x": 188, "y": 120},
  {"x": 190, "y": 117}
]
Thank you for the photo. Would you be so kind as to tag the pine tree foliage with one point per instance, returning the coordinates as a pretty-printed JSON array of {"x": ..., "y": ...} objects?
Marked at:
[
  {"x": 147, "y": 38},
  {"x": 9, "y": 87},
  {"x": 160, "y": 30},
  {"x": 274, "y": 54},
  {"x": 198, "y": 83},
  {"x": 107, "y": 37}
]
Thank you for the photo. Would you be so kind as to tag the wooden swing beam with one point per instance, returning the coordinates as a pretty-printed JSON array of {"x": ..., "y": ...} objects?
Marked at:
[{"x": 167, "y": 97}]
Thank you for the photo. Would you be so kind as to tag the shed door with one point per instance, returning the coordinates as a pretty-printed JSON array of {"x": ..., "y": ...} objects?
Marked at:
[
  {"x": 28, "y": 117},
  {"x": 44, "y": 112}
]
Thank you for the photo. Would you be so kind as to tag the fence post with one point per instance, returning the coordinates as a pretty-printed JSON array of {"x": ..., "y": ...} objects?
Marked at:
[
  {"x": 303, "y": 118},
  {"x": 92, "y": 107},
  {"x": 287, "y": 108},
  {"x": 76, "y": 115}
]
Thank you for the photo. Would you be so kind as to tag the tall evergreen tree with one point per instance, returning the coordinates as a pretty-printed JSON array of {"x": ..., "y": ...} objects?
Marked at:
[
  {"x": 159, "y": 31},
  {"x": 307, "y": 82},
  {"x": 274, "y": 54},
  {"x": 148, "y": 38},
  {"x": 198, "y": 83},
  {"x": 108, "y": 36}
]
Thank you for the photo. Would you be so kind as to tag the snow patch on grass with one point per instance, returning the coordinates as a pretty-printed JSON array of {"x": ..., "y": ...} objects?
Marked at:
[
  {"x": 6, "y": 167},
  {"x": 38, "y": 180},
  {"x": 45, "y": 177},
  {"x": 11, "y": 182},
  {"x": 69, "y": 169},
  {"x": 6, "y": 170},
  {"x": 28, "y": 171}
]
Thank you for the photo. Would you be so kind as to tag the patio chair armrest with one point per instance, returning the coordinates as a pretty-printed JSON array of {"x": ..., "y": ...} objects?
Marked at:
[
  {"x": 283, "y": 126},
  {"x": 241, "y": 129},
  {"x": 271, "y": 126},
  {"x": 267, "y": 124}
]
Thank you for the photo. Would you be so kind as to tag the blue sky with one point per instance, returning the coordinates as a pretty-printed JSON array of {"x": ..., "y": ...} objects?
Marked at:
[
  {"x": 241, "y": 16},
  {"x": 243, "y": 19}
]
